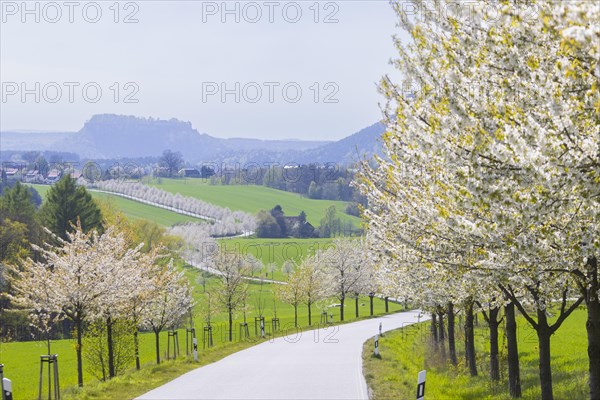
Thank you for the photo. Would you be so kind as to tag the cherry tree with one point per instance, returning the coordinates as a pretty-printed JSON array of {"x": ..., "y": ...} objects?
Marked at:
[
  {"x": 168, "y": 302},
  {"x": 343, "y": 262},
  {"x": 496, "y": 151},
  {"x": 292, "y": 292},
  {"x": 223, "y": 221},
  {"x": 233, "y": 287},
  {"x": 76, "y": 278},
  {"x": 316, "y": 283}
]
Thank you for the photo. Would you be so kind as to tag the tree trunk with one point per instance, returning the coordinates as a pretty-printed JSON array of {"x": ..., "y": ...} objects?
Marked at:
[
  {"x": 544, "y": 333},
  {"x": 593, "y": 332},
  {"x": 592, "y": 326},
  {"x": 79, "y": 361},
  {"x": 157, "y": 343},
  {"x": 514, "y": 374},
  {"x": 110, "y": 345},
  {"x": 494, "y": 361},
  {"x": 470, "y": 338},
  {"x": 356, "y": 306},
  {"x": 230, "y": 325},
  {"x": 309, "y": 314},
  {"x": 441, "y": 331},
  {"x": 434, "y": 329},
  {"x": 441, "y": 328},
  {"x": 295, "y": 315},
  {"x": 387, "y": 309},
  {"x": 342, "y": 308},
  {"x": 136, "y": 346},
  {"x": 371, "y": 304},
  {"x": 451, "y": 339}
]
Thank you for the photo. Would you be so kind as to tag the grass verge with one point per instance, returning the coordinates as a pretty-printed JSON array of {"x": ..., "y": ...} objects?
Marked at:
[{"x": 407, "y": 351}]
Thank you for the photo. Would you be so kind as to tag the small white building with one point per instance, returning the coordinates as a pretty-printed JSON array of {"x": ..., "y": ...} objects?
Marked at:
[
  {"x": 33, "y": 176},
  {"x": 53, "y": 176}
]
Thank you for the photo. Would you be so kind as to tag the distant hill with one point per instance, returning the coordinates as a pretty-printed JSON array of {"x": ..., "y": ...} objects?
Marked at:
[
  {"x": 118, "y": 136},
  {"x": 364, "y": 143},
  {"x": 31, "y": 140},
  {"x": 113, "y": 136}
]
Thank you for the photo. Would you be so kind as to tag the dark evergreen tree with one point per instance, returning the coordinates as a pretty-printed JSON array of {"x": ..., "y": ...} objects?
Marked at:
[
  {"x": 305, "y": 230},
  {"x": 65, "y": 204},
  {"x": 277, "y": 213},
  {"x": 17, "y": 204}
]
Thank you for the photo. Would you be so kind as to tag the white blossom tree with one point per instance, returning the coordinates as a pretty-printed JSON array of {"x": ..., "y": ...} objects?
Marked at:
[
  {"x": 232, "y": 291},
  {"x": 222, "y": 221},
  {"x": 168, "y": 301},
  {"x": 292, "y": 292},
  {"x": 343, "y": 262},
  {"x": 76, "y": 279},
  {"x": 316, "y": 283},
  {"x": 494, "y": 158}
]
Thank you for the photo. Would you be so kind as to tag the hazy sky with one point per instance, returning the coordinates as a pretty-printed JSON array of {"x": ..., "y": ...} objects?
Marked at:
[{"x": 191, "y": 60}]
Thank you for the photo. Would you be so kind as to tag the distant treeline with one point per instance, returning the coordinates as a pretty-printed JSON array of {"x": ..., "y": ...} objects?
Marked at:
[{"x": 316, "y": 181}]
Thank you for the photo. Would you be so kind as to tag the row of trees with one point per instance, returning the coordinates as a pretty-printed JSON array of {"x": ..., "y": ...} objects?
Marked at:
[
  {"x": 316, "y": 181},
  {"x": 343, "y": 270},
  {"x": 99, "y": 278},
  {"x": 340, "y": 271},
  {"x": 487, "y": 197},
  {"x": 60, "y": 263},
  {"x": 21, "y": 223},
  {"x": 225, "y": 221}
]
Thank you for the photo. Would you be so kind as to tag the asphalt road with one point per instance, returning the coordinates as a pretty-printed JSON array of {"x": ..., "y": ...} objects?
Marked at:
[{"x": 318, "y": 364}]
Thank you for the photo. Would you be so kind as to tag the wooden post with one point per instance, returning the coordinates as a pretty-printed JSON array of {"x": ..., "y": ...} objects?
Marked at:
[
  {"x": 52, "y": 361},
  {"x": 207, "y": 337},
  {"x": 173, "y": 336},
  {"x": 275, "y": 324},
  {"x": 189, "y": 334}
]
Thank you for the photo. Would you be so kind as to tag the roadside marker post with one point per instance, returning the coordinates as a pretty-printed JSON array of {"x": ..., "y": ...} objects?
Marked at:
[
  {"x": 7, "y": 393},
  {"x": 195, "y": 346},
  {"x": 421, "y": 385},
  {"x": 2, "y": 381},
  {"x": 380, "y": 334},
  {"x": 376, "y": 351}
]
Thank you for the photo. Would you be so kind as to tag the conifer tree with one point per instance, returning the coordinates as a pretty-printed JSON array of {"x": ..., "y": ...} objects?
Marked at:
[{"x": 65, "y": 204}]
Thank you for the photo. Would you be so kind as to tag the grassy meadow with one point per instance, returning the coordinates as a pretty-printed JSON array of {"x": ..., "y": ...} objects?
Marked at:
[
  {"x": 253, "y": 198},
  {"x": 133, "y": 209},
  {"x": 22, "y": 362},
  {"x": 407, "y": 351}
]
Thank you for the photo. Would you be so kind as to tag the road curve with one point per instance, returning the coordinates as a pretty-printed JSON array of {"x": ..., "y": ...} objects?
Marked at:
[{"x": 319, "y": 364}]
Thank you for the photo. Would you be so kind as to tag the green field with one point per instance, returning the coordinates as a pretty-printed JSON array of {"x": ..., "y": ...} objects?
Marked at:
[
  {"x": 133, "y": 209},
  {"x": 407, "y": 351},
  {"x": 251, "y": 198},
  {"x": 21, "y": 359}
]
